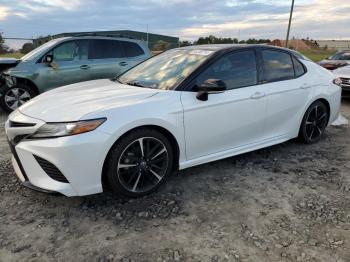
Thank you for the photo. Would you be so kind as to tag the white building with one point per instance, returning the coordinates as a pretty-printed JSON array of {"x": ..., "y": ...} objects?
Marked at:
[{"x": 338, "y": 45}]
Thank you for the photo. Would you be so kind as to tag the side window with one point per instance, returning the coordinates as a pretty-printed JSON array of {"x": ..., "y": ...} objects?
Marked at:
[
  {"x": 132, "y": 49},
  {"x": 277, "y": 65},
  {"x": 71, "y": 51},
  {"x": 103, "y": 49},
  {"x": 298, "y": 68},
  {"x": 236, "y": 70}
]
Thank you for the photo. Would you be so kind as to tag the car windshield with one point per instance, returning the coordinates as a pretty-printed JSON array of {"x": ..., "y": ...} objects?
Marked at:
[
  {"x": 341, "y": 56},
  {"x": 38, "y": 50},
  {"x": 165, "y": 71}
]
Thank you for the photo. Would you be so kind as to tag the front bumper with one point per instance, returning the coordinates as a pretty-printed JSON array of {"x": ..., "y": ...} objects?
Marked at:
[{"x": 78, "y": 158}]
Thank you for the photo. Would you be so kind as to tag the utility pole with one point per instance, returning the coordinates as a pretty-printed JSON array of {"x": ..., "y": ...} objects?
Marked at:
[
  {"x": 147, "y": 36},
  {"x": 290, "y": 21}
]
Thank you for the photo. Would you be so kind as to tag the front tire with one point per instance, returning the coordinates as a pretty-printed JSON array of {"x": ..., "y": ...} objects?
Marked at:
[
  {"x": 16, "y": 96},
  {"x": 139, "y": 163},
  {"x": 314, "y": 123}
]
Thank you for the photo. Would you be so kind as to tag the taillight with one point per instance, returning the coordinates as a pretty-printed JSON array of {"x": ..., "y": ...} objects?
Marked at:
[{"x": 337, "y": 81}]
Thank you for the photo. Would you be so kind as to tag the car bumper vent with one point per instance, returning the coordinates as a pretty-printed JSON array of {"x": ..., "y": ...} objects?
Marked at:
[
  {"x": 20, "y": 124},
  {"x": 51, "y": 170}
]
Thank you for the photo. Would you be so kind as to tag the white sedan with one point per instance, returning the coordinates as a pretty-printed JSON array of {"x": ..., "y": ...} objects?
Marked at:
[
  {"x": 182, "y": 108},
  {"x": 344, "y": 75}
]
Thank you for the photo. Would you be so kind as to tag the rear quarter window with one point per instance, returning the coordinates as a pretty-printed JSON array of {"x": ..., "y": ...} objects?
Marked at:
[
  {"x": 298, "y": 67},
  {"x": 132, "y": 49}
]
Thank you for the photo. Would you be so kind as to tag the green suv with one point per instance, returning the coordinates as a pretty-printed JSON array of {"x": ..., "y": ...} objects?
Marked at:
[{"x": 66, "y": 61}]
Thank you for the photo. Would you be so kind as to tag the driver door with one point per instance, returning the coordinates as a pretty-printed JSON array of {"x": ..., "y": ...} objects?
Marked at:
[
  {"x": 70, "y": 65},
  {"x": 228, "y": 120}
]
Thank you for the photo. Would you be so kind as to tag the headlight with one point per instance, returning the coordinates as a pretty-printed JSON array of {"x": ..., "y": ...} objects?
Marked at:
[
  {"x": 50, "y": 130},
  {"x": 337, "y": 81}
]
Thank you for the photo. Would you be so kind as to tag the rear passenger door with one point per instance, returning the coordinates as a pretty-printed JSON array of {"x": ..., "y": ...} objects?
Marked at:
[
  {"x": 286, "y": 88},
  {"x": 107, "y": 58}
]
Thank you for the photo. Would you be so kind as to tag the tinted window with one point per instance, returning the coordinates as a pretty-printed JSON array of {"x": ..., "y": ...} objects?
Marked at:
[
  {"x": 236, "y": 70},
  {"x": 298, "y": 68},
  {"x": 71, "y": 51},
  {"x": 103, "y": 49},
  {"x": 132, "y": 49},
  {"x": 277, "y": 65}
]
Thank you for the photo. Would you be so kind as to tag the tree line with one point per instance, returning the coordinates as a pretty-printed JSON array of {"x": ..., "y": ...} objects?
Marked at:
[{"x": 223, "y": 40}]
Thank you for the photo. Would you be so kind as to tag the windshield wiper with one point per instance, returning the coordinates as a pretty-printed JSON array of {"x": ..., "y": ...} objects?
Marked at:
[{"x": 135, "y": 84}]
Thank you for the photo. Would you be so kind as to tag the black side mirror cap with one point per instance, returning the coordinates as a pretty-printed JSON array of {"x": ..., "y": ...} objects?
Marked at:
[
  {"x": 210, "y": 86},
  {"x": 48, "y": 59}
]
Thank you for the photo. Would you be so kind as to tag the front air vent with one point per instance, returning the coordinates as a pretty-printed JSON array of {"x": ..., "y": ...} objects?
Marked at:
[
  {"x": 51, "y": 170},
  {"x": 345, "y": 81},
  {"x": 19, "y": 138},
  {"x": 20, "y": 124}
]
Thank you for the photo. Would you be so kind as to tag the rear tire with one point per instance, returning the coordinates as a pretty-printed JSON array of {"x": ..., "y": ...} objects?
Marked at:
[
  {"x": 314, "y": 123},
  {"x": 16, "y": 96},
  {"x": 139, "y": 163}
]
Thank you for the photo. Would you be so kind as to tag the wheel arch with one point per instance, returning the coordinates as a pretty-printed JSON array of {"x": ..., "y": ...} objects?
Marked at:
[
  {"x": 326, "y": 102},
  {"x": 29, "y": 83},
  {"x": 321, "y": 99},
  {"x": 169, "y": 135}
]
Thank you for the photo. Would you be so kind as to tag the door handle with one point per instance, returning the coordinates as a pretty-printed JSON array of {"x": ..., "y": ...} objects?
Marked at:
[
  {"x": 257, "y": 95},
  {"x": 305, "y": 86},
  {"x": 84, "y": 67},
  {"x": 123, "y": 63}
]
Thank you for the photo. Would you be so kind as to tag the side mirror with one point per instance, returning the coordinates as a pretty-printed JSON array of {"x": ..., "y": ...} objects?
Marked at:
[
  {"x": 210, "y": 86},
  {"x": 48, "y": 59}
]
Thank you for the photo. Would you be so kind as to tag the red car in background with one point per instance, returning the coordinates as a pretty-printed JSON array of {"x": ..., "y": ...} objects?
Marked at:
[{"x": 338, "y": 60}]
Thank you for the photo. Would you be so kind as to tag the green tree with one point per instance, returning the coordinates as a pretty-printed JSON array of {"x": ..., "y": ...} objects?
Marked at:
[
  {"x": 216, "y": 40},
  {"x": 27, "y": 47},
  {"x": 185, "y": 43},
  {"x": 161, "y": 46},
  {"x": 3, "y": 48}
]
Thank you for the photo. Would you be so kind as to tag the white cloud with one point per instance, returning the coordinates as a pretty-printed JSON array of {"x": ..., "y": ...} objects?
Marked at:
[
  {"x": 4, "y": 12},
  {"x": 322, "y": 18},
  {"x": 59, "y": 4}
]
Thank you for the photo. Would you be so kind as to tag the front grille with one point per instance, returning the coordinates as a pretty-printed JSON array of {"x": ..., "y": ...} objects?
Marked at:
[
  {"x": 345, "y": 81},
  {"x": 51, "y": 170},
  {"x": 20, "y": 124}
]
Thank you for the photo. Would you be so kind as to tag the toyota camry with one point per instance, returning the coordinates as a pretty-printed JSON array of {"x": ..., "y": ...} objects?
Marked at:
[{"x": 182, "y": 108}]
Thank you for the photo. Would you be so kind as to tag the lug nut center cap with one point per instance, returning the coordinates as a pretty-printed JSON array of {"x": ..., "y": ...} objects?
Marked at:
[{"x": 143, "y": 164}]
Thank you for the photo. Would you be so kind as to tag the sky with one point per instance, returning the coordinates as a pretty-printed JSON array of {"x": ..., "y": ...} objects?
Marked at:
[{"x": 187, "y": 19}]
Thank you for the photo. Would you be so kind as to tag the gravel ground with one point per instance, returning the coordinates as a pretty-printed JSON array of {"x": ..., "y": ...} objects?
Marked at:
[{"x": 289, "y": 202}]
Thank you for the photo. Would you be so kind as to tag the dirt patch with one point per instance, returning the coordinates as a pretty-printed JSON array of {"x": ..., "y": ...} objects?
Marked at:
[{"x": 289, "y": 202}]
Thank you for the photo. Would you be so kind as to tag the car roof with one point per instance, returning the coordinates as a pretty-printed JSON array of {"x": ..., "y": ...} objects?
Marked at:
[
  {"x": 100, "y": 37},
  {"x": 218, "y": 47},
  {"x": 231, "y": 47}
]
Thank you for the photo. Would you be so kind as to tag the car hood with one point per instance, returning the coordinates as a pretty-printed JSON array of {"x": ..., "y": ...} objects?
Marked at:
[
  {"x": 6, "y": 63},
  {"x": 342, "y": 71},
  {"x": 72, "y": 102},
  {"x": 333, "y": 64}
]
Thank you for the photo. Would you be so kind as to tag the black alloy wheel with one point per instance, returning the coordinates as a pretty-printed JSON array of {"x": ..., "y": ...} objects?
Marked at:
[
  {"x": 16, "y": 96},
  {"x": 314, "y": 122},
  {"x": 139, "y": 163}
]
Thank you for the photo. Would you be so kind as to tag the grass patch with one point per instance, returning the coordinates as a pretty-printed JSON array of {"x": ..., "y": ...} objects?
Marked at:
[
  {"x": 317, "y": 55},
  {"x": 14, "y": 55}
]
